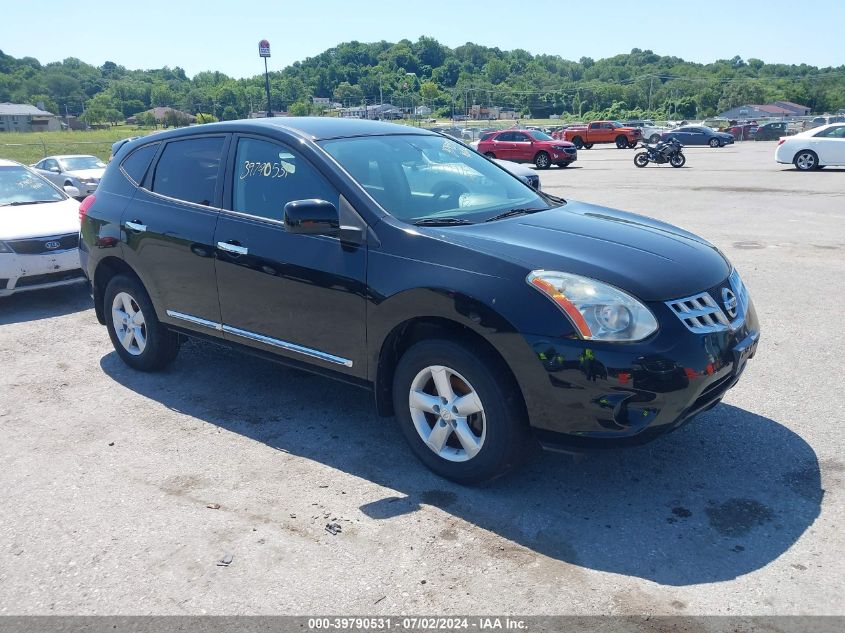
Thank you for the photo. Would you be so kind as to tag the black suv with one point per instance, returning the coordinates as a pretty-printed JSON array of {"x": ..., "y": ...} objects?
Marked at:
[{"x": 482, "y": 313}]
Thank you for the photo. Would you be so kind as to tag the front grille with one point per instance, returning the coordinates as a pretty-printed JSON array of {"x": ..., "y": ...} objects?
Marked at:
[
  {"x": 38, "y": 245},
  {"x": 701, "y": 314},
  {"x": 571, "y": 150},
  {"x": 49, "y": 278}
]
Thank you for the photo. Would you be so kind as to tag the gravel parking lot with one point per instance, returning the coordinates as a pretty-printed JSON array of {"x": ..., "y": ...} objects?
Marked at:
[{"x": 122, "y": 490}]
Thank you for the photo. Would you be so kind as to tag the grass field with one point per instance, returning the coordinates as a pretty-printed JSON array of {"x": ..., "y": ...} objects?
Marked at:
[{"x": 28, "y": 148}]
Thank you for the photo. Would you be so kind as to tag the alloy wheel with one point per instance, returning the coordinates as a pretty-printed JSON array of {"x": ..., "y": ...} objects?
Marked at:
[
  {"x": 447, "y": 413},
  {"x": 805, "y": 161},
  {"x": 128, "y": 322}
]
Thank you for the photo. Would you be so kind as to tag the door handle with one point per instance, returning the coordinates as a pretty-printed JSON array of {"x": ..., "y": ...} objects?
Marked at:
[
  {"x": 234, "y": 249},
  {"x": 136, "y": 226}
]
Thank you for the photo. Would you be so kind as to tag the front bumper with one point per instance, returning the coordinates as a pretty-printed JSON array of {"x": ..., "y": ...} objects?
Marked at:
[
  {"x": 33, "y": 272},
  {"x": 592, "y": 395}
]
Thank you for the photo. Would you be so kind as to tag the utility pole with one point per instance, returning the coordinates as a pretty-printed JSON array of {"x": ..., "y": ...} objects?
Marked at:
[{"x": 650, "y": 86}]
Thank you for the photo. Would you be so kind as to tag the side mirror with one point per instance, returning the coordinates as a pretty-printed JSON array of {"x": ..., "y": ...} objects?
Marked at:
[
  {"x": 55, "y": 170},
  {"x": 73, "y": 192},
  {"x": 312, "y": 217}
]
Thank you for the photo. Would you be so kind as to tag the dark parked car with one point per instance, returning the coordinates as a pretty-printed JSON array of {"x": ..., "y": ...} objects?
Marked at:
[
  {"x": 481, "y": 313},
  {"x": 699, "y": 135},
  {"x": 771, "y": 131}
]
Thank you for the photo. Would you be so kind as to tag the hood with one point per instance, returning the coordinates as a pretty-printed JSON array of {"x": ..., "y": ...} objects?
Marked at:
[
  {"x": 87, "y": 173},
  {"x": 652, "y": 260},
  {"x": 555, "y": 141},
  {"x": 39, "y": 220}
]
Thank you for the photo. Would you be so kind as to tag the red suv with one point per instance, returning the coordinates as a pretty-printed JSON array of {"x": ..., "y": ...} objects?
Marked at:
[{"x": 528, "y": 146}]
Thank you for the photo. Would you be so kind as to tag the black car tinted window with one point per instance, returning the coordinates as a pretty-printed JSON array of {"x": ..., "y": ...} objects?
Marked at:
[
  {"x": 187, "y": 170},
  {"x": 268, "y": 175},
  {"x": 136, "y": 164}
]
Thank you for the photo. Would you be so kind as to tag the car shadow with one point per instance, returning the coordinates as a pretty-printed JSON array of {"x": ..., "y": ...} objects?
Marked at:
[
  {"x": 34, "y": 305},
  {"x": 719, "y": 498}
]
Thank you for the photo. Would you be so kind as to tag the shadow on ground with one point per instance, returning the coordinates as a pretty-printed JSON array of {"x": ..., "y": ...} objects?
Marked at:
[
  {"x": 719, "y": 498},
  {"x": 34, "y": 305}
]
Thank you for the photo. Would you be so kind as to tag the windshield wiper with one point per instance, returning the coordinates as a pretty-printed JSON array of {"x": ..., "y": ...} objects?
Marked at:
[
  {"x": 19, "y": 203},
  {"x": 511, "y": 212},
  {"x": 441, "y": 222}
]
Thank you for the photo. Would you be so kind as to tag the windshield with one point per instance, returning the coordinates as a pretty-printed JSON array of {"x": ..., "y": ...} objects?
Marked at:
[
  {"x": 617, "y": 124},
  {"x": 18, "y": 185},
  {"x": 417, "y": 178},
  {"x": 75, "y": 163},
  {"x": 540, "y": 136}
]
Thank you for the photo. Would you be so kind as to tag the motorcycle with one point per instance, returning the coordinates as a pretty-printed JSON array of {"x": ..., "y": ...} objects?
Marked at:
[{"x": 661, "y": 153}]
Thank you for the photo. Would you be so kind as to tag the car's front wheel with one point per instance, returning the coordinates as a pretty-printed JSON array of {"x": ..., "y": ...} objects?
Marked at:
[
  {"x": 806, "y": 160},
  {"x": 542, "y": 160},
  {"x": 714, "y": 142},
  {"x": 140, "y": 340},
  {"x": 459, "y": 414}
]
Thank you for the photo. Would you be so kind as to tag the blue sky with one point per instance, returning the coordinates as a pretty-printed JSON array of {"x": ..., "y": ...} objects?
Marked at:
[{"x": 220, "y": 35}]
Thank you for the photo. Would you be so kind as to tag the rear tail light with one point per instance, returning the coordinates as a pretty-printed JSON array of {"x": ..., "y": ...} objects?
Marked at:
[
  {"x": 86, "y": 204},
  {"x": 782, "y": 141}
]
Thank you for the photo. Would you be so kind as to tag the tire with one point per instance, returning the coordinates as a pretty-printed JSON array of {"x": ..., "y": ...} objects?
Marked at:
[
  {"x": 542, "y": 160},
  {"x": 150, "y": 346},
  {"x": 588, "y": 146},
  {"x": 678, "y": 160},
  {"x": 654, "y": 138},
  {"x": 578, "y": 142},
  {"x": 489, "y": 154},
  {"x": 714, "y": 142},
  {"x": 641, "y": 159},
  {"x": 806, "y": 160},
  {"x": 621, "y": 142},
  {"x": 493, "y": 427}
]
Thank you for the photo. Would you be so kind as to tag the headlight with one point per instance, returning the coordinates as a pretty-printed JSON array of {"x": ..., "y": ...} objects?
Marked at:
[
  {"x": 4, "y": 248},
  {"x": 599, "y": 311},
  {"x": 559, "y": 148}
]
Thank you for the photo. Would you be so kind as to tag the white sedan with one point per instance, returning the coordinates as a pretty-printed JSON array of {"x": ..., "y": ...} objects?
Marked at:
[
  {"x": 39, "y": 231},
  {"x": 813, "y": 149}
]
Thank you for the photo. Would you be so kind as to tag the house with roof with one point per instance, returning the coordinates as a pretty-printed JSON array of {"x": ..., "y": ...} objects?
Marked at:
[
  {"x": 778, "y": 109},
  {"x": 161, "y": 113},
  {"x": 22, "y": 117}
]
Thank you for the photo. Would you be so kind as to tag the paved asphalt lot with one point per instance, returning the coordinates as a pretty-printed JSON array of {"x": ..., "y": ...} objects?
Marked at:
[{"x": 107, "y": 474}]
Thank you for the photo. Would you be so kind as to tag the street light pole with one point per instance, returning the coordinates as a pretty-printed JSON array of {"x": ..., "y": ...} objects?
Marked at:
[{"x": 264, "y": 51}]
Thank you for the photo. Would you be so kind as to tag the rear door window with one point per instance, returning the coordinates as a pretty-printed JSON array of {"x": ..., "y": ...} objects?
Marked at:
[{"x": 188, "y": 169}]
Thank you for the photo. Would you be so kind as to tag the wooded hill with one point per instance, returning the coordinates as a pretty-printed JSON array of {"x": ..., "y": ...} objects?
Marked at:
[{"x": 448, "y": 80}]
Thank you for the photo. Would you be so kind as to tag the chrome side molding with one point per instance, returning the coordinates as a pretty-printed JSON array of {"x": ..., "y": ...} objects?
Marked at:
[
  {"x": 195, "y": 320},
  {"x": 267, "y": 340},
  {"x": 291, "y": 347}
]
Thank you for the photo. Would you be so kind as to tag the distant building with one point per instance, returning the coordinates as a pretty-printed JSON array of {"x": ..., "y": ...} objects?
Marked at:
[
  {"x": 381, "y": 111},
  {"x": 261, "y": 114},
  {"x": 160, "y": 112},
  {"x": 778, "y": 109},
  {"x": 22, "y": 117},
  {"x": 422, "y": 110},
  {"x": 324, "y": 101}
]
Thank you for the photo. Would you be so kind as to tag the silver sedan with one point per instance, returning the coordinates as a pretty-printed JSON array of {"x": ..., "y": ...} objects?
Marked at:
[{"x": 76, "y": 170}]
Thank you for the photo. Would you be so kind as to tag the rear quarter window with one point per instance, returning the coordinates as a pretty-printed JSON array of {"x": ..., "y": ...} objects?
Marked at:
[{"x": 135, "y": 165}]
